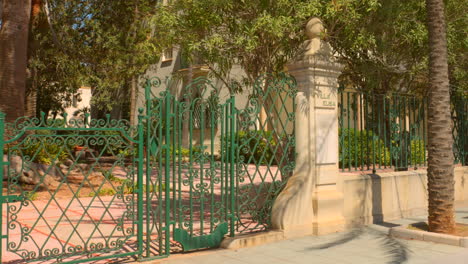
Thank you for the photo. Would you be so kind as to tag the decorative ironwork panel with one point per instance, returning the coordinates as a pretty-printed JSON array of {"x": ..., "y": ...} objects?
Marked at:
[
  {"x": 71, "y": 189},
  {"x": 379, "y": 131},
  {"x": 265, "y": 153},
  {"x": 188, "y": 168}
]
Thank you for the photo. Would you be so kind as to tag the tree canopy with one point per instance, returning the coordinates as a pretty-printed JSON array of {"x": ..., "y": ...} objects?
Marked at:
[
  {"x": 93, "y": 43},
  {"x": 105, "y": 45},
  {"x": 383, "y": 43}
]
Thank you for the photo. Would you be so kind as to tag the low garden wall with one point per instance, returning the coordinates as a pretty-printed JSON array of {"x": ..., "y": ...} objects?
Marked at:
[{"x": 380, "y": 197}]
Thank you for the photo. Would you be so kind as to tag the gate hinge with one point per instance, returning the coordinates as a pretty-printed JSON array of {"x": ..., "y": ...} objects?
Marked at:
[{"x": 10, "y": 199}]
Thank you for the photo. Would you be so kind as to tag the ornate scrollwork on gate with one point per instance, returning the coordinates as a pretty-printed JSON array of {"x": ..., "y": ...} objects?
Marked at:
[
  {"x": 265, "y": 153},
  {"x": 56, "y": 177}
]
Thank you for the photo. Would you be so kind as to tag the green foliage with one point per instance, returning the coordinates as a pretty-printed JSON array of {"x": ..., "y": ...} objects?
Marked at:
[
  {"x": 256, "y": 146},
  {"x": 406, "y": 152},
  {"x": 460, "y": 125},
  {"x": 179, "y": 153},
  {"x": 126, "y": 185},
  {"x": 384, "y": 51},
  {"x": 260, "y": 36},
  {"x": 183, "y": 152},
  {"x": 31, "y": 196},
  {"x": 93, "y": 44},
  {"x": 109, "y": 176},
  {"x": 44, "y": 151},
  {"x": 418, "y": 151},
  {"x": 130, "y": 189},
  {"x": 103, "y": 192},
  {"x": 127, "y": 153},
  {"x": 381, "y": 48},
  {"x": 361, "y": 148},
  {"x": 106, "y": 46}
]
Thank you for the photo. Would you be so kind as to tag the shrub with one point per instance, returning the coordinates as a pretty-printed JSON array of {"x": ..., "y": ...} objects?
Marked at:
[
  {"x": 118, "y": 145},
  {"x": 112, "y": 178},
  {"x": 406, "y": 154},
  {"x": 183, "y": 152},
  {"x": 44, "y": 150},
  {"x": 359, "y": 148},
  {"x": 103, "y": 192},
  {"x": 128, "y": 152},
  {"x": 130, "y": 189},
  {"x": 31, "y": 196},
  {"x": 418, "y": 151},
  {"x": 256, "y": 146}
]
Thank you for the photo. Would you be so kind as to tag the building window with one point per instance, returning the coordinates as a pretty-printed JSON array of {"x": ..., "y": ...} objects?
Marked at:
[{"x": 167, "y": 55}]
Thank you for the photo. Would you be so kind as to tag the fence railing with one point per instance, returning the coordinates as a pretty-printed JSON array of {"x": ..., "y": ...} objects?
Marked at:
[
  {"x": 460, "y": 128},
  {"x": 380, "y": 131}
]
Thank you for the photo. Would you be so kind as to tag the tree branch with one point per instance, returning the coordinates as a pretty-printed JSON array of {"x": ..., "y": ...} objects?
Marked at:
[{"x": 47, "y": 13}]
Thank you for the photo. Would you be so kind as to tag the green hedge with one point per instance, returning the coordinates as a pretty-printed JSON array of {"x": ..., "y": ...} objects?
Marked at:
[
  {"x": 361, "y": 148},
  {"x": 418, "y": 151},
  {"x": 255, "y": 146},
  {"x": 410, "y": 155}
]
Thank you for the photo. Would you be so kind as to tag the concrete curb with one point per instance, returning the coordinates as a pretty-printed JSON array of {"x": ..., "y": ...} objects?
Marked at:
[
  {"x": 251, "y": 240},
  {"x": 402, "y": 232}
]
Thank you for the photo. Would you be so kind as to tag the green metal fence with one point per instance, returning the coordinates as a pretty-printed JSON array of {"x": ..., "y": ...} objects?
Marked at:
[
  {"x": 46, "y": 160},
  {"x": 379, "y": 131},
  {"x": 460, "y": 127},
  {"x": 196, "y": 168}
]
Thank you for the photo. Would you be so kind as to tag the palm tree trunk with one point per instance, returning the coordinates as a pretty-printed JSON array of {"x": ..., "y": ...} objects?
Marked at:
[
  {"x": 440, "y": 141},
  {"x": 13, "y": 57}
]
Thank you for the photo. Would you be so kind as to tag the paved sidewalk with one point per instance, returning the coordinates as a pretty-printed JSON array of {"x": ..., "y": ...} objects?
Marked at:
[
  {"x": 368, "y": 245},
  {"x": 361, "y": 246}
]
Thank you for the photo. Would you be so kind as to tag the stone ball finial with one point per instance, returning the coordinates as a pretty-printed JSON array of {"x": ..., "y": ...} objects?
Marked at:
[{"x": 314, "y": 28}]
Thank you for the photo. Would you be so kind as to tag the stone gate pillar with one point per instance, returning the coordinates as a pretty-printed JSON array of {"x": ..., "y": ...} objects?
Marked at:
[{"x": 312, "y": 202}]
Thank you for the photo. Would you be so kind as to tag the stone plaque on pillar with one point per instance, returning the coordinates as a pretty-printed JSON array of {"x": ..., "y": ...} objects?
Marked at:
[
  {"x": 326, "y": 139},
  {"x": 326, "y": 98}
]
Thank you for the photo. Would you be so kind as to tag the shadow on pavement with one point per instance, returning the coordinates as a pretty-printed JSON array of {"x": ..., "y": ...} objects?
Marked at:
[{"x": 395, "y": 251}]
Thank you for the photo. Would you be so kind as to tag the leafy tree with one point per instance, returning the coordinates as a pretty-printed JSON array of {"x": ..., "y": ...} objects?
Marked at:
[
  {"x": 386, "y": 48},
  {"x": 383, "y": 43},
  {"x": 55, "y": 69},
  {"x": 102, "y": 45},
  {"x": 260, "y": 36}
]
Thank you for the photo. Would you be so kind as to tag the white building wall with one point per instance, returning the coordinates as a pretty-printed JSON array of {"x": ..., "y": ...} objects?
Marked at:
[{"x": 81, "y": 100}]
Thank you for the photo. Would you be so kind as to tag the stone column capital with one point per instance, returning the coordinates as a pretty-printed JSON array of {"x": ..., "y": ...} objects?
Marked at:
[{"x": 315, "y": 62}]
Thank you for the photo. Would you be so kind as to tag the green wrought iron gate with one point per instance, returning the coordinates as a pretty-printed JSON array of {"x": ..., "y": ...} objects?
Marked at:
[
  {"x": 194, "y": 169},
  {"x": 192, "y": 178}
]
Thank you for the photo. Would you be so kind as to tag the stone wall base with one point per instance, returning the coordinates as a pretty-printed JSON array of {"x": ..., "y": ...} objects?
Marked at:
[
  {"x": 381, "y": 197},
  {"x": 328, "y": 212}
]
